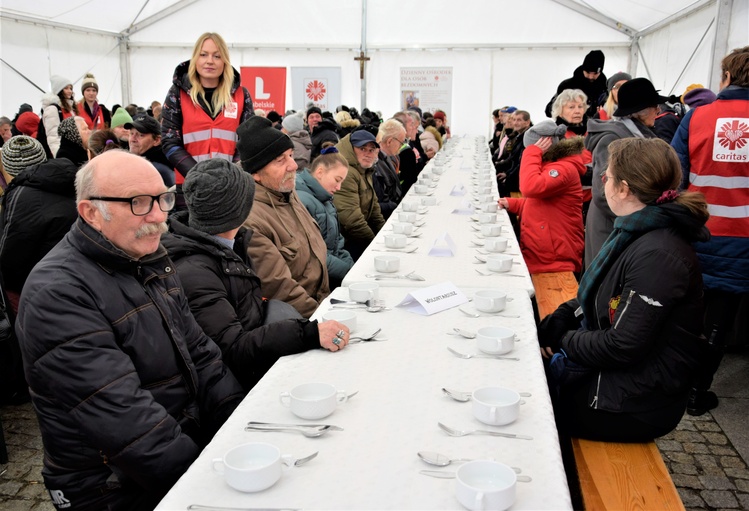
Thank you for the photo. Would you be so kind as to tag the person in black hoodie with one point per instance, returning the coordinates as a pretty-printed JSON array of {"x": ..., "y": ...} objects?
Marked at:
[
  {"x": 625, "y": 352},
  {"x": 590, "y": 79},
  {"x": 38, "y": 209},
  {"x": 209, "y": 248},
  {"x": 74, "y": 135}
]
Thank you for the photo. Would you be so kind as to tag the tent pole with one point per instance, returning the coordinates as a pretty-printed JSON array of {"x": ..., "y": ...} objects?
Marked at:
[
  {"x": 127, "y": 89},
  {"x": 362, "y": 55},
  {"x": 699, "y": 43},
  {"x": 634, "y": 55},
  {"x": 720, "y": 45}
]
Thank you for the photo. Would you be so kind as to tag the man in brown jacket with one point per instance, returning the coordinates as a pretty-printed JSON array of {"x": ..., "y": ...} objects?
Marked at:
[
  {"x": 286, "y": 247},
  {"x": 358, "y": 208}
]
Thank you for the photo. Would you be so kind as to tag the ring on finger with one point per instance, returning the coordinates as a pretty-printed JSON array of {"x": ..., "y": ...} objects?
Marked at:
[
  {"x": 341, "y": 334},
  {"x": 337, "y": 341}
]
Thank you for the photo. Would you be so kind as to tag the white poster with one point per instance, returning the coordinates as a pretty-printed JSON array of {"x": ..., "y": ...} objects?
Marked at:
[
  {"x": 318, "y": 85},
  {"x": 429, "y": 88}
]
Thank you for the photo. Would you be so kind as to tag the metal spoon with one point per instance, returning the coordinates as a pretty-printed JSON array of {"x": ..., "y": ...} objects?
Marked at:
[
  {"x": 451, "y": 475},
  {"x": 479, "y": 315},
  {"x": 467, "y": 356},
  {"x": 457, "y": 432},
  {"x": 369, "y": 303},
  {"x": 462, "y": 333},
  {"x": 372, "y": 308},
  {"x": 503, "y": 274},
  {"x": 365, "y": 338},
  {"x": 406, "y": 250},
  {"x": 464, "y": 397},
  {"x": 311, "y": 431},
  {"x": 440, "y": 460}
]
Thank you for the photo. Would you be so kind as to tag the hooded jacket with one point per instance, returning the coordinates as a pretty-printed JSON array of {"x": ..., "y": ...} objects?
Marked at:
[
  {"x": 325, "y": 131},
  {"x": 645, "y": 340},
  {"x": 357, "y": 204},
  {"x": 38, "y": 209},
  {"x": 319, "y": 203},
  {"x": 288, "y": 249},
  {"x": 595, "y": 90},
  {"x": 127, "y": 387},
  {"x": 52, "y": 114},
  {"x": 226, "y": 299},
  {"x": 600, "y": 220},
  {"x": 551, "y": 219},
  {"x": 172, "y": 142},
  {"x": 302, "y": 148}
]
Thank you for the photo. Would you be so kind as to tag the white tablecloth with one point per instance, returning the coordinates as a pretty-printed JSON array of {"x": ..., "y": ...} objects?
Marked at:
[{"x": 372, "y": 463}]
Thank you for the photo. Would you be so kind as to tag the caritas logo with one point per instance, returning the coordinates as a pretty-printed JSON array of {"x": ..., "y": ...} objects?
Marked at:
[
  {"x": 731, "y": 141},
  {"x": 316, "y": 90}
]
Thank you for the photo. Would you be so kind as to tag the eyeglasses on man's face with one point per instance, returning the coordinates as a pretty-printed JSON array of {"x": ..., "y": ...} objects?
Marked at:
[{"x": 141, "y": 205}]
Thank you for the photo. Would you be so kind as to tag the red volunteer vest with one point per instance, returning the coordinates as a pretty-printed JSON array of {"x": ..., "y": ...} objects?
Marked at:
[
  {"x": 97, "y": 123},
  {"x": 719, "y": 164},
  {"x": 205, "y": 138}
]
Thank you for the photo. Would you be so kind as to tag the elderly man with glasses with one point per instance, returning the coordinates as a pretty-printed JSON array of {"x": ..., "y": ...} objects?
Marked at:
[
  {"x": 358, "y": 208},
  {"x": 127, "y": 387}
]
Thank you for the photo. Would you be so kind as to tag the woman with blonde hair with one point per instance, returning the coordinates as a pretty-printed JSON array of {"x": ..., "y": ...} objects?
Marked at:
[
  {"x": 625, "y": 352},
  {"x": 203, "y": 108}
]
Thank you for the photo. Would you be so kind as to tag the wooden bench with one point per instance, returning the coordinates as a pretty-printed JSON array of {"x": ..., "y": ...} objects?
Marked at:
[{"x": 612, "y": 475}]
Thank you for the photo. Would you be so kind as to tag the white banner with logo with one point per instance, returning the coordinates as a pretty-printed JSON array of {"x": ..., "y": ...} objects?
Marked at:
[
  {"x": 429, "y": 88},
  {"x": 318, "y": 85}
]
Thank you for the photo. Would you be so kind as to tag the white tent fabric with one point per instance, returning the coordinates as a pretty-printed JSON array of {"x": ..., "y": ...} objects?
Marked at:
[{"x": 501, "y": 52}]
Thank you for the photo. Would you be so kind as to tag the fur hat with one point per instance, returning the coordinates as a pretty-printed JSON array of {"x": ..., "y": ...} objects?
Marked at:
[
  {"x": 697, "y": 97},
  {"x": 637, "y": 94},
  {"x": 120, "y": 118},
  {"x": 28, "y": 124},
  {"x": 293, "y": 123},
  {"x": 617, "y": 77},
  {"x": 89, "y": 81},
  {"x": 219, "y": 196},
  {"x": 58, "y": 83},
  {"x": 20, "y": 152},
  {"x": 259, "y": 143},
  {"x": 544, "y": 129},
  {"x": 593, "y": 62},
  {"x": 68, "y": 130}
]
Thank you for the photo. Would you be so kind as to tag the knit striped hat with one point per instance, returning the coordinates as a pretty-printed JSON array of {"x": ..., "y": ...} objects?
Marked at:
[
  {"x": 89, "y": 81},
  {"x": 21, "y": 152}
]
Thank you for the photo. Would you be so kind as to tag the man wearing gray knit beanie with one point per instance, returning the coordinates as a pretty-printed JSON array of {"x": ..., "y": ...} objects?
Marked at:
[
  {"x": 286, "y": 246},
  {"x": 208, "y": 245}
]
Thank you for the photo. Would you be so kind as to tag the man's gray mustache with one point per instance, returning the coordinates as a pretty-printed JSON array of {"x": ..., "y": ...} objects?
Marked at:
[{"x": 150, "y": 229}]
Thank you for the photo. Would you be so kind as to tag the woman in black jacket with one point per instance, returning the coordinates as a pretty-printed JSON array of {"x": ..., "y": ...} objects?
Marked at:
[
  {"x": 623, "y": 353},
  {"x": 209, "y": 249}
]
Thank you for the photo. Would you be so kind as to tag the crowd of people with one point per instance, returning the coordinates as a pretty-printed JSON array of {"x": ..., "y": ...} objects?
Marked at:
[{"x": 157, "y": 262}]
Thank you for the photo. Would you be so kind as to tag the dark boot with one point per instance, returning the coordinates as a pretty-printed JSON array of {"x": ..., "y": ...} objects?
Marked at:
[{"x": 701, "y": 401}]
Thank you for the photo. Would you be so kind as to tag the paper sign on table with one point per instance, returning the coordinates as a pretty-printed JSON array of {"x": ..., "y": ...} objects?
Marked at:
[
  {"x": 443, "y": 246},
  {"x": 458, "y": 189},
  {"x": 465, "y": 208},
  {"x": 433, "y": 299}
]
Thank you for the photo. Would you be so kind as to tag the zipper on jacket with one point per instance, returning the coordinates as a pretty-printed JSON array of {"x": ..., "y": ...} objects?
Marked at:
[
  {"x": 594, "y": 403},
  {"x": 626, "y": 306}
]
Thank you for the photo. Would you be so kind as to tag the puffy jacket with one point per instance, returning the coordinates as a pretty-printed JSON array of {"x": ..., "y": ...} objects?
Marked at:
[
  {"x": 700, "y": 144},
  {"x": 600, "y": 220},
  {"x": 288, "y": 250},
  {"x": 37, "y": 211},
  {"x": 358, "y": 208},
  {"x": 302, "y": 148},
  {"x": 52, "y": 114},
  {"x": 645, "y": 340},
  {"x": 319, "y": 203},
  {"x": 225, "y": 297},
  {"x": 127, "y": 387},
  {"x": 551, "y": 218},
  {"x": 172, "y": 142},
  {"x": 596, "y": 90}
]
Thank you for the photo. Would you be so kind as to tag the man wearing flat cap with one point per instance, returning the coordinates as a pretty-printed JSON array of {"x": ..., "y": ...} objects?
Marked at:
[
  {"x": 209, "y": 246},
  {"x": 286, "y": 246},
  {"x": 358, "y": 209}
]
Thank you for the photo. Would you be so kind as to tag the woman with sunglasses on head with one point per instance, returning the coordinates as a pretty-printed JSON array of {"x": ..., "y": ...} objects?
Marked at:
[
  {"x": 203, "y": 108},
  {"x": 623, "y": 354}
]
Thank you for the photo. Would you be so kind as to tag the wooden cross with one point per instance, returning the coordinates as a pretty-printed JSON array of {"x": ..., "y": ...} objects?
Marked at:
[{"x": 362, "y": 58}]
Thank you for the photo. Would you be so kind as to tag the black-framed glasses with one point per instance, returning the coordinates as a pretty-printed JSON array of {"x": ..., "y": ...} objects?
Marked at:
[{"x": 141, "y": 205}]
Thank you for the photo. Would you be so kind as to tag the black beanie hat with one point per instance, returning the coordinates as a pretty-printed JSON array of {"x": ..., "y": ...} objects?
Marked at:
[
  {"x": 218, "y": 195},
  {"x": 313, "y": 110},
  {"x": 593, "y": 62},
  {"x": 259, "y": 143}
]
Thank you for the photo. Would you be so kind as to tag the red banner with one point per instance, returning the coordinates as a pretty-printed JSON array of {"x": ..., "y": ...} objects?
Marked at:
[{"x": 267, "y": 86}]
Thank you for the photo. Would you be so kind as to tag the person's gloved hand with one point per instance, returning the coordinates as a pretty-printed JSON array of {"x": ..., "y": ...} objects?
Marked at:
[{"x": 553, "y": 327}]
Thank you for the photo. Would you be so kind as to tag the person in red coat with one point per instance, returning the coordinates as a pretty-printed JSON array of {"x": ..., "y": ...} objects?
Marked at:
[{"x": 551, "y": 220}]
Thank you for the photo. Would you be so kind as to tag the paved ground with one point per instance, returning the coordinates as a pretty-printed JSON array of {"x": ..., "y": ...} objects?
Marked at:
[{"x": 707, "y": 456}]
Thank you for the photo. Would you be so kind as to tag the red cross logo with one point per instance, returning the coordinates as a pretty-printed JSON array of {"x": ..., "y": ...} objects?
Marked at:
[
  {"x": 733, "y": 135},
  {"x": 315, "y": 90}
]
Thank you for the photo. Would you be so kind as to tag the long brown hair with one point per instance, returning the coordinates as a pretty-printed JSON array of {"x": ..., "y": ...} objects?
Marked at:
[
  {"x": 651, "y": 167},
  {"x": 222, "y": 95}
]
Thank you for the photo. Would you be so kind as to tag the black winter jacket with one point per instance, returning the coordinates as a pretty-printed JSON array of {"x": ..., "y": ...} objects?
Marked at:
[
  {"x": 225, "y": 297},
  {"x": 127, "y": 387},
  {"x": 171, "y": 118},
  {"x": 386, "y": 184},
  {"x": 38, "y": 209},
  {"x": 646, "y": 339}
]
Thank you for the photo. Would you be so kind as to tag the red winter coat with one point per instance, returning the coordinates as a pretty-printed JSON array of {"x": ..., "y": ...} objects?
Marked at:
[{"x": 551, "y": 219}]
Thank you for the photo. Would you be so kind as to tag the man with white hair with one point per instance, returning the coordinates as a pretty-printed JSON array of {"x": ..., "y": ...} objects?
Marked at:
[{"x": 127, "y": 387}]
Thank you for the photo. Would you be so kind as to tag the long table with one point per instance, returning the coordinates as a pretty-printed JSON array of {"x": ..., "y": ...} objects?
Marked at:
[{"x": 372, "y": 463}]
